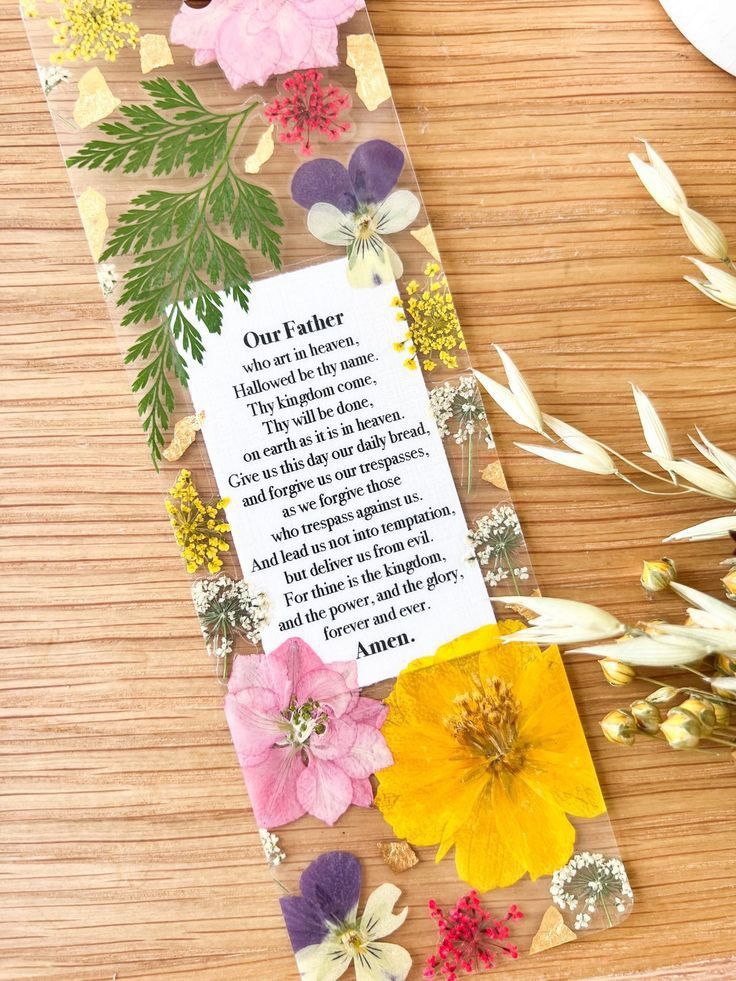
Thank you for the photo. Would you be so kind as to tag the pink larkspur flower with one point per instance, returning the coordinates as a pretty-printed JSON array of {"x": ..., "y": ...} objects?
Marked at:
[
  {"x": 307, "y": 741},
  {"x": 254, "y": 39}
]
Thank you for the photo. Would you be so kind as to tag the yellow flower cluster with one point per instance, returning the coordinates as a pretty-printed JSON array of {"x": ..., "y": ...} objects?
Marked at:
[
  {"x": 434, "y": 327},
  {"x": 199, "y": 533},
  {"x": 88, "y": 28}
]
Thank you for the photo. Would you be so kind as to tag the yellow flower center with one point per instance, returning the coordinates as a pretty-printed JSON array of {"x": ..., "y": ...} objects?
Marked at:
[
  {"x": 353, "y": 940},
  {"x": 485, "y": 721},
  {"x": 364, "y": 228}
]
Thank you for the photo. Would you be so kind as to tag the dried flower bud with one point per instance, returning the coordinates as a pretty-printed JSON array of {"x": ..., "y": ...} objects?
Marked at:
[
  {"x": 729, "y": 582},
  {"x": 722, "y": 714},
  {"x": 645, "y": 715},
  {"x": 681, "y": 729},
  {"x": 703, "y": 712},
  {"x": 619, "y": 727},
  {"x": 656, "y": 576},
  {"x": 663, "y": 695},
  {"x": 616, "y": 673},
  {"x": 725, "y": 664},
  {"x": 705, "y": 235}
]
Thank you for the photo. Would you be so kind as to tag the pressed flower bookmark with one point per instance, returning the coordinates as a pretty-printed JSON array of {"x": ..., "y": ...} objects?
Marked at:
[{"x": 302, "y": 379}]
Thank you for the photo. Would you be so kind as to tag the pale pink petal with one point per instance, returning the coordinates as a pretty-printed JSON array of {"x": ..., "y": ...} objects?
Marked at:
[
  {"x": 252, "y": 715},
  {"x": 362, "y": 793},
  {"x": 337, "y": 740},
  {"x": 246, "y": 673},
  {"x": 370, "y": 711},
  {"x": 284, "y": 666},
  {"x": 324, "y": 790},
  {"x": 326, "y": 687},
  {"x": 199, "y": 28},
  {"x": 368, "y": 753},
  {"x": 272, "y": 787},
  {"x": 349, "y": 672}
]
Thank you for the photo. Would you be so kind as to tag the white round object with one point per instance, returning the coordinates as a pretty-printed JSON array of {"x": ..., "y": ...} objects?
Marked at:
[{"x": 709, "y": 25}]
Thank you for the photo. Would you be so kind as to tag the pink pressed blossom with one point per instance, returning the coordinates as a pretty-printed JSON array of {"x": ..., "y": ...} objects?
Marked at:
[
  {"x": 306, "y": 739},
  {"x": 254, "y": 39}
]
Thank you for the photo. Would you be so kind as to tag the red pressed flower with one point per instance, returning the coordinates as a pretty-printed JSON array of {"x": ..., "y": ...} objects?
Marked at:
[
  {"x": 470, "y": 939},
  {"x": 306, "y": 107}
]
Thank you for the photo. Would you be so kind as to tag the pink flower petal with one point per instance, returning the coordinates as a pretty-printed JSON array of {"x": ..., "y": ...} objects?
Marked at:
[
  {"x": 369, "y": 711},
  {"x": 368, "y": 753},
  {"x": 362, "y": 793},
  {"x": 336, "y": 741},
  {"x": 326, "y": 687},
  {"x": 272, "y": 788},
  {"x": 252, "y": 715},
  {"x": 287, "y": 664},
  {"x": 324, "y": 790},
  {"x": 246, "y": 673}
]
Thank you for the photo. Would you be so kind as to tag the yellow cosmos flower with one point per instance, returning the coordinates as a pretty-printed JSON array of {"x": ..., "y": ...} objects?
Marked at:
[{"x": 489, "y": 756}]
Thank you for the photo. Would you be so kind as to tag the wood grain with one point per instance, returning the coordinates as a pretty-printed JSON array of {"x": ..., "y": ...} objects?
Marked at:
[{"x": 126, "y": 848}]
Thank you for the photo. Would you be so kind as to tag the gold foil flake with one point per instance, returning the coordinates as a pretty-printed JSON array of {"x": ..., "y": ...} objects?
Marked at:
[
  {"x": 365, "y": 59},
  {"x": 552, "y": 932},
  {"x": 95, "y": 99},
  {"x": 398, "y": 855},
  {"x": 155, "y": 52},
  {"x": 185, "y": 432},
  {"x": 493, "y": 474},
  {"x": 93, "y": 211},
  {"x": 425, "y": 237},
  {"x": 262, "y": 153}
]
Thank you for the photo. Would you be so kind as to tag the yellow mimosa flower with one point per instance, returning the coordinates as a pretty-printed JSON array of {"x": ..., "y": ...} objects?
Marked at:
[{"x": 489, "y": 757}]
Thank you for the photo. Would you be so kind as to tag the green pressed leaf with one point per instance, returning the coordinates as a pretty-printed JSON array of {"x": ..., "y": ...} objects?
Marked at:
[{"x": 182, "y": 258}]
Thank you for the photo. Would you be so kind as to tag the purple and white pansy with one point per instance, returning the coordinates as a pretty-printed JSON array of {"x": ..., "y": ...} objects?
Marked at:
[
  {"x": 329, "y": 935},
  {"x": 356, "y": 206}
]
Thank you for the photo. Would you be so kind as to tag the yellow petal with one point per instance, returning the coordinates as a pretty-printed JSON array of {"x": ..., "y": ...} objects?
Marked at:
[{"x": 482, "y": 857}]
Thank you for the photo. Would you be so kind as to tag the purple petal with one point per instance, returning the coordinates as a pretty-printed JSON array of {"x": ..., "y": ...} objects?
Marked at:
[
  {"x": 304, "y": 921},
  {"x": 331, "y": 884},
  {"x": 374, "y": 169},
  {"x": 323, "y": 180}
]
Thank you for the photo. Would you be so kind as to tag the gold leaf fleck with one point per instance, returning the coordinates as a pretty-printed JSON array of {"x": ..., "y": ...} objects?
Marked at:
[
  {"x": 398, "y": 855},
  {"x": 364, "y": 57},
  {"x": 185, "y": 432},
  {"x": 425, "y": 237},
  {"x": 493, "y": 474},
  {"x": 95, "y": 99},
  {"x": 93, "y": 211},
  {"x": 262, "y": 153},
  {"x": 155, "y": 52},
  {"x": 552, "y": 932}
]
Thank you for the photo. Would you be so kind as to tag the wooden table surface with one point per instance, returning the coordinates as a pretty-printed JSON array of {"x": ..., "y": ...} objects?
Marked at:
[{"x": 125, "y": 847}]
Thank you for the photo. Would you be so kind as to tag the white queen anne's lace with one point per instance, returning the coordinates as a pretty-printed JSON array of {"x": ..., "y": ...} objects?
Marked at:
[
  {"x": 226, "y": 608},
  {"x": 592, "y": 886}
]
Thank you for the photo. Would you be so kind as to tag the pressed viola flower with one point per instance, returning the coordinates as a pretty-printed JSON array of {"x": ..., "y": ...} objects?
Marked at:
[
  {"x": 306, "y": 108},
  {"x": 355, "y": 207},
  {"x": 307, "y": 741},
  {"x": 199, "y": 530},
  {"x": 489, "y": 755},
  {"x": 254, "y": 39},
  {"x": 471, "y": 939},
  {"x": 328, "y": 934},
  {"x": 87, "y": 29}
]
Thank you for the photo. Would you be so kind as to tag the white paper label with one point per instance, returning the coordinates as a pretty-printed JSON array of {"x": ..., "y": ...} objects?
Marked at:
[{"x": 343, "y": 507}]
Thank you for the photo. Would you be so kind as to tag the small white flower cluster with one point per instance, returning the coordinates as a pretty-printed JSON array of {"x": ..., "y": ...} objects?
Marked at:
[
  {"x": 593, "y": 883},
  {"x": 108, "y": 277},
  {"x": 460, "y": 403},
  {"x": 226, "y": 607},
  {"x": 495, "y": 539},
  {"x": 271, "y": 848},
  {"x": 52, "y": 76}
]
